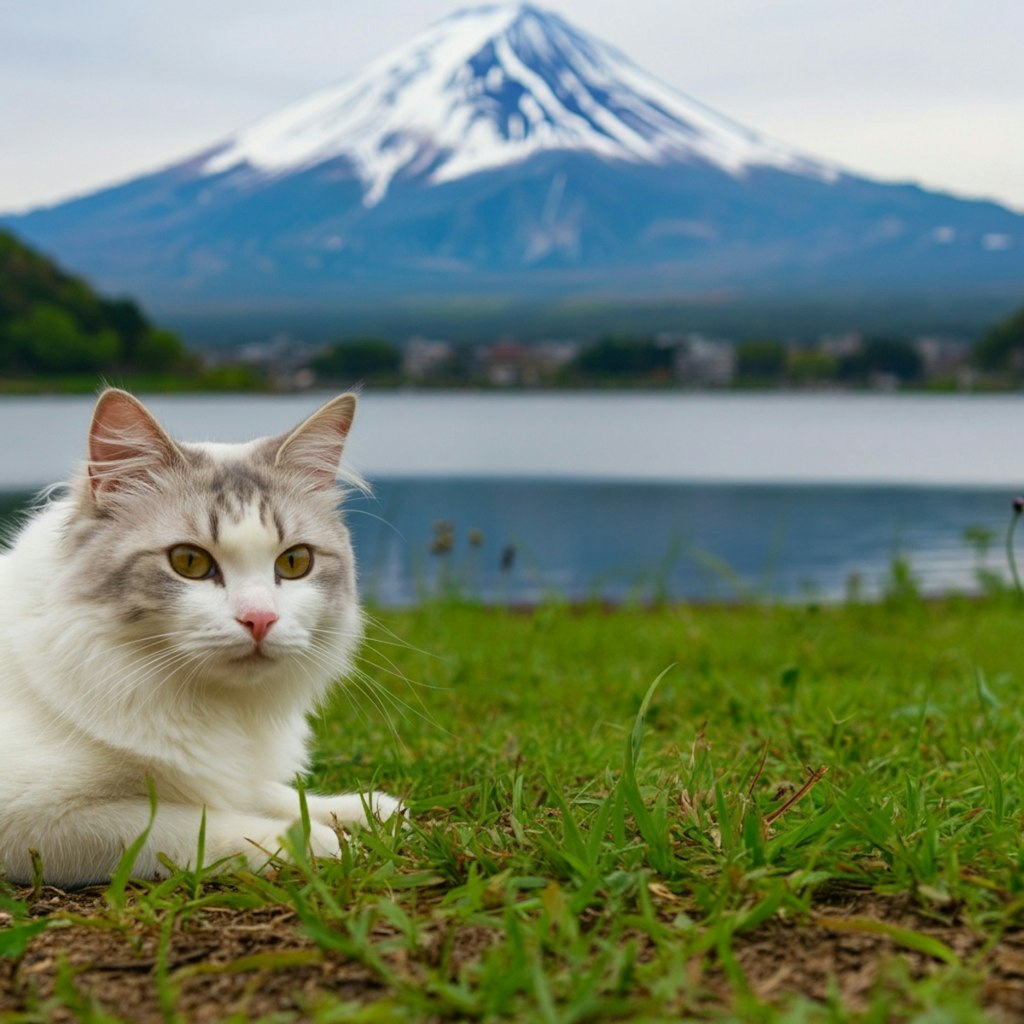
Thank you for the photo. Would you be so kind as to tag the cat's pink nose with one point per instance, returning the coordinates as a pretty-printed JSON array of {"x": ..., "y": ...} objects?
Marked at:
[{"x": 258, "y": 623}]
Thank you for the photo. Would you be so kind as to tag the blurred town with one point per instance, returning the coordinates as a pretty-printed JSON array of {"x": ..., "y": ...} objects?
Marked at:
[{"x": 682, "y": 360}]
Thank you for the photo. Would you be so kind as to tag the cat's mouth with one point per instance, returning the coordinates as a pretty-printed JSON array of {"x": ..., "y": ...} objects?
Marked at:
[{"x": 256, "y": 656}]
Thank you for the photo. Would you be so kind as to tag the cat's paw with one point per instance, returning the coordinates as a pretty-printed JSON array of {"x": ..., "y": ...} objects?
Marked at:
[
  {"x": 322, "y": 842},
  {"x": 385, "y": 806},
  {"x": 352, "y": 808}
]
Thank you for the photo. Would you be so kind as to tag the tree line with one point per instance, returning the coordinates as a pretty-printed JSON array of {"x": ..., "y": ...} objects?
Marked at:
[
  {"x": 53, "y": 323},
  {"x": 997, "y": 357}
]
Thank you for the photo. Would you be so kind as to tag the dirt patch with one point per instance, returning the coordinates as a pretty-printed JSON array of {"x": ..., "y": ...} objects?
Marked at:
[
  {"x": 211, "y": 965},
  {"x": 849, "y": 944},
  {"x": 259, "y": 962}
]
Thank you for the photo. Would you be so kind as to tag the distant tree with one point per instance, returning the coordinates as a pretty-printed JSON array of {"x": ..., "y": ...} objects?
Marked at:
[
  {"x": 808, "y": 366},
  {"x": 894, "y": 357},
  {"x": 125, "y": 317},
  {"x": 624, "y": 356},
  {"x": 48, "y": 340},
  {"x": 359, "y": 359},
  {"x": 1002, "y": 346},
  {"x": 160, "y": 350},
  {"x": 74, "y": 295},
  {"x": 10, "y": 356},
  {"x": 53, "y": 323},
  {"x": 26, "y": 278},
  {"x": 761, "y": 360}
]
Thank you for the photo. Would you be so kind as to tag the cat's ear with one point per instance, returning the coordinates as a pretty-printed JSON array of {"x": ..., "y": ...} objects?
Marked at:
[
  {"x": 125, "y": 443},
  {"x": 314, "y": 447}
]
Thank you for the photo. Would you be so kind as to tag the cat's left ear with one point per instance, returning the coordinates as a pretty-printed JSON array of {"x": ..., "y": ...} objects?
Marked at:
[
  {"x": 126, "y": 444},
  {"x": 314, "y": 447}
]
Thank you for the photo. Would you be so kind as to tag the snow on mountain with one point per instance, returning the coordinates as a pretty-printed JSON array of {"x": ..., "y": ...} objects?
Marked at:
[
  {"x": 505, "y": 153},
  {"x": 489, "y": 87}
]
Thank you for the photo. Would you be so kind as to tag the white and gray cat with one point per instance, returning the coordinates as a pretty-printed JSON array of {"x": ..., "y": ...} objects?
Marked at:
[{"x": 171, "y": 621}]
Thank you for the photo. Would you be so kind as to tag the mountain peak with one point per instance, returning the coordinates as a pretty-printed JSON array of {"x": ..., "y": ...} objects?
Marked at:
[
  {"x": 505, "y": 152},
  {"x": 491, "y": 86}
]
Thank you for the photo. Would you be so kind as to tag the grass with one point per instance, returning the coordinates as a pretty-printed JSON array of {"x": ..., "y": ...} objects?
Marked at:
[{"x": 760, "y": 813}]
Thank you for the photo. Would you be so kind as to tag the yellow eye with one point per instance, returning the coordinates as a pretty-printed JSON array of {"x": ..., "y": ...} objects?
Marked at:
[
  {"x": 294, "y": 563},
  {"x": 192, "y": 563}
]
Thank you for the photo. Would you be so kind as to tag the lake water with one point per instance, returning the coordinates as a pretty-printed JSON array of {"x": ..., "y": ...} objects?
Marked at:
[{"x": 686, "y": 495}]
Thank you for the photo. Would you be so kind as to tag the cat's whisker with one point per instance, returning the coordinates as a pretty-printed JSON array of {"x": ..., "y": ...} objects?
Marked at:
[
  {"x": 349, "y": 511},
  {"x": 375, "y": 645},
  {"x": 158, "y": 642},
  {"x": 109, "y": 698},
  {"x": 324, "y": 656},
  {"x": 185, "y": 687},
  {"x": 397, "y": 640},
  {"x": 105, "y": 699},
  {"x": 391, "y": 669},
  {"x": 373, "y": 642},
  {"x": 138, "y": 642},
  {"x": 366, "y": 688},
  {"x": 401, "y": 706},
  {"x": 357, "y": 687},
  {"x": 423, "y": 712},
  {"x": 346, "y": 691},
  {"x": 113, "y": 688}
]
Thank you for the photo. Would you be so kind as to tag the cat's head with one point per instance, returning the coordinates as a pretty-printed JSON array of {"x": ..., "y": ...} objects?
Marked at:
[{"x": 230, "y": 561}]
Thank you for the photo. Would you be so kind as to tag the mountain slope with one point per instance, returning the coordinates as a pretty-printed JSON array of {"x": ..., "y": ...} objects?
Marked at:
[{"x": 505, "y": 152}]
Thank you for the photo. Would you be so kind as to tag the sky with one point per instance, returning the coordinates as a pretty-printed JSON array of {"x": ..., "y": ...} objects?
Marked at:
[{"x": 930, "y": 91}]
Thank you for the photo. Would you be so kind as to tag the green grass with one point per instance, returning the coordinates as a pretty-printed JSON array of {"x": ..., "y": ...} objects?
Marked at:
[{"x": 587, "y": 845}]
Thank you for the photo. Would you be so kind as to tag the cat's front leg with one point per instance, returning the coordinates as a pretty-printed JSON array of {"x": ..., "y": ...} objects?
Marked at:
[
  {"x": 84, "y": 845},
  {"x": 340, "y": 809}
]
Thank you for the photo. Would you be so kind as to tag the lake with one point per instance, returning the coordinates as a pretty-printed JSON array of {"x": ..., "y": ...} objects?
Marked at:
[{"x": 702, "y": 496}]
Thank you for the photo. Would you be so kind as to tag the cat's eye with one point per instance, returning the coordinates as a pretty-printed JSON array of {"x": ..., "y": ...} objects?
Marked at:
[
  {"x": 191, "y": 562},
  {"x": 294, "y": 563}
]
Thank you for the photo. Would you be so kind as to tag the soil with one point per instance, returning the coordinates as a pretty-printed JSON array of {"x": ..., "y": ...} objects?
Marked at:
[
  {"x": 840, "y": 949},
  {"x": 259, "y": 962}
]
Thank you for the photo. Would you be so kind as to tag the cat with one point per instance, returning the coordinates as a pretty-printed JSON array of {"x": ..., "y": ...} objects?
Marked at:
[{"x": 168, "y": 624}]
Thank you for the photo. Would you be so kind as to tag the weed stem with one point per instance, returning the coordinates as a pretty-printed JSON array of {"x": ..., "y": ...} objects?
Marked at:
[{"x": 1018, "y": 507}]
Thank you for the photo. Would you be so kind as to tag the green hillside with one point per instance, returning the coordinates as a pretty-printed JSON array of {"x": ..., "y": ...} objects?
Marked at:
[{"x": 53, "y": 324}]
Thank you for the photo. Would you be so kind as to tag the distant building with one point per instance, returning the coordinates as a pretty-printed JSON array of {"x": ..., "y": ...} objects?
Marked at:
[
  {"x": 840, "y": 345},
  {"x": 282, "y": 351},
  {"x": 423, "y": 357},
  {"x": 942, "y": 358},
  {"x": 555, "y": 354},
  {"x": 705, "y": 362},
  {"x": 518, "y": 364},
  {"x": 505, "y": 363},
  {"x": 283, "y": 360}
]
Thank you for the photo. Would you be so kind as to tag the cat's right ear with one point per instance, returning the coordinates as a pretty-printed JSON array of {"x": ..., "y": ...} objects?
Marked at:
[
  {"x": 126, "y": 444},
  {"x": 314, "y": 447}
]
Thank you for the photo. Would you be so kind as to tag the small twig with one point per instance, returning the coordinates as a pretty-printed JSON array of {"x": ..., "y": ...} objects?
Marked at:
[
  {"x": 1018, "y": 507},
  {"x": 815, "y": 778},
  {"x": 760, "y": 770}
]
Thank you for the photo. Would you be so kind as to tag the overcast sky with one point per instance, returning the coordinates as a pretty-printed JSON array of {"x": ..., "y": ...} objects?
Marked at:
[{"x": 910, "y": 90}]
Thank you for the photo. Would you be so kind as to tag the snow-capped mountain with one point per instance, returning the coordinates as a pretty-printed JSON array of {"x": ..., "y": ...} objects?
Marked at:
[
  {"x": 505, "y": 152},
  {"x": 488, "y": 88}
]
